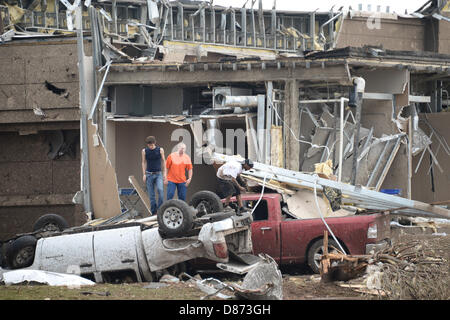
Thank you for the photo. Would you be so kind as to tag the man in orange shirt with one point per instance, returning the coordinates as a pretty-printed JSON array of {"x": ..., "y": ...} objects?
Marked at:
[{"x": 177, "y": 163}]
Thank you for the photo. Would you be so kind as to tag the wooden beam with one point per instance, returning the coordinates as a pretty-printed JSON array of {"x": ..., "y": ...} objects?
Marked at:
[
  {"x": 276, "y": 151},
  {"x": 291, "y": 125}
]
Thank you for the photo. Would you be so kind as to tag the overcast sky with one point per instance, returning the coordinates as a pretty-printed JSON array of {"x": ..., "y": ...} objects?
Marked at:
[{"x": 325, "y": 5}]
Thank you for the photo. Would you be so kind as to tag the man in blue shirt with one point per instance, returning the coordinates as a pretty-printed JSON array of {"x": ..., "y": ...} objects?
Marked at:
[{"x": 153, "y": 172}]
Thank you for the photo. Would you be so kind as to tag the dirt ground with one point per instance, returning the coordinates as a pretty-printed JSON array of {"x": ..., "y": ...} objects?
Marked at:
[{"x": 299, "y": 283}]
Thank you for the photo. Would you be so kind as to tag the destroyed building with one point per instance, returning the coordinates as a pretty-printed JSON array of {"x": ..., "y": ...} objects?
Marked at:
[{"x": 100, "y": 76}]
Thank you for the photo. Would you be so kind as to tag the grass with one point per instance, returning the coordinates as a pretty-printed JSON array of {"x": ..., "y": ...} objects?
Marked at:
[{"x": 133, "y": 291}]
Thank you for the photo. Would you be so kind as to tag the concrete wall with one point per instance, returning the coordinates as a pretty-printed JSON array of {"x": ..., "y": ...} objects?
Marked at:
[
  {"x": 26, "y": 67},
  {"x": 401, "y": 34},
  {"x": 20, "y": 219},
  {"x": 31, "y": 183},
  {"x": 423, "y": 181},
  {"x": 444, "y": 36}
]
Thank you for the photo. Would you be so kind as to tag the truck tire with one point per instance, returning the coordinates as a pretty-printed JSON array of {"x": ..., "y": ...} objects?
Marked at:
[
  {"x": 206, "y": 202},
  {"x": 50, "y": 222},
  {"x": 20, "y": 253},
  {"x": 315, "y": 252},
  {"x": 175, "y": 218}
]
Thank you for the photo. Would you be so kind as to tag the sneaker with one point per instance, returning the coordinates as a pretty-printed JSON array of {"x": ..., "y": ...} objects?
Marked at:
[
  {"x": 228, "y": 208},
  {"x": 240, "y": 211}
]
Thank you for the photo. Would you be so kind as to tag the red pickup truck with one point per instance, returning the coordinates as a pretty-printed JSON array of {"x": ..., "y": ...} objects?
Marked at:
[{"x": 295, "y": 241}]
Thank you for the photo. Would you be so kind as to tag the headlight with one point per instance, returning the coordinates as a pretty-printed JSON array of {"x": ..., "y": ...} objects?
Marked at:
[{"x": 372, "y": 231}]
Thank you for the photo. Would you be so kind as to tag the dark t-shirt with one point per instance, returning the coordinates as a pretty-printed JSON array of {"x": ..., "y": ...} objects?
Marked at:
[{"x": 153, "y": 158}]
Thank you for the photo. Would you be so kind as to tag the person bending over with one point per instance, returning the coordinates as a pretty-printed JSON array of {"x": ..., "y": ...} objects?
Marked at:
[{"x": 230, "y": 182}]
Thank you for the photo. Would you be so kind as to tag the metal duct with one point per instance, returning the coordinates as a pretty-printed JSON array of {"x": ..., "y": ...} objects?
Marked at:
[
  {"x": 239, "y": 101},
  {"x": 212, "y": 132}
]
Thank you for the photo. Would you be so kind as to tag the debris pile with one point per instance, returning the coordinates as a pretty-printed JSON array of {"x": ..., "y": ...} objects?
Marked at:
[
  {"x": 416, "y": 269},
  {"x": 263, "y": 282},
  {"x": 349, "y": 196}
]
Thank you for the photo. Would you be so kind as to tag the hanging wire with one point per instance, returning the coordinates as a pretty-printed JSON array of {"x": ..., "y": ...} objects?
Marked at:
[
  {"x": 321, "y": 216},
  {"x": 299, "y": 140}
]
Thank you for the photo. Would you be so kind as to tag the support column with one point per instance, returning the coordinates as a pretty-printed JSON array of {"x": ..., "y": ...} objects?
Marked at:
[
  {"x": 292, "y": 125},
  {"x": 85, "y": 179}
]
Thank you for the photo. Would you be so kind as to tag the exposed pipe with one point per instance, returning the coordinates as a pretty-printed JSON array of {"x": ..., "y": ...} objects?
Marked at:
[
  {"x": 207, "y": 93},
  {"x": 359, "y": 86},
  {"x": 94, "y": 104},
  {"x": 212, "y": 126},
  {"x": 341, "y": 139}
]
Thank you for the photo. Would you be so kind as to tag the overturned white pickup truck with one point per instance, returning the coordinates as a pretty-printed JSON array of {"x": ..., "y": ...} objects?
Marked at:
[{"x": 137, "y": 249}]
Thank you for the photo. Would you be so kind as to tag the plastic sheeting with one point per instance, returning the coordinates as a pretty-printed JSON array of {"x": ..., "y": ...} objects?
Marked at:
[{"x": 45, "y": 277}]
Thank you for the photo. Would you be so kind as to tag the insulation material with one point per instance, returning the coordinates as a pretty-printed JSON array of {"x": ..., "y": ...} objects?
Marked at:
[
  {"x": 325, "y": 169},
  {"x": 420, "y": 141},
  {"x": 302, "y": 205},
  {"x": 276, "y": 146},
  {"x": 104, "y": 189},
  {"x": 15, "y": 13}
]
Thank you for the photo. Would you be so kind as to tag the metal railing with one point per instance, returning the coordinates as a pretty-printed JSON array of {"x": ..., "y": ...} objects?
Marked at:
[{"x": 203, "y": 24}]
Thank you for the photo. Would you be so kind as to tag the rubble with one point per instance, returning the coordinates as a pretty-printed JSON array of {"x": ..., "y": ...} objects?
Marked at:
[
  {"x": 263, "y": 281},
  {"x": 404, "y": 270},
  {"x": 353, "y": 196},
  {"x": 331, "y": 125}
]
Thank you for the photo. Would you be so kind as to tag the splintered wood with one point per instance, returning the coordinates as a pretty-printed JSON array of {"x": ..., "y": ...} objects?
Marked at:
[
  {"x": 347, "y": 268},
  {"x": 396, "y": 263},
  {"x": 272, "y": 184},
  {"x": 325, "y": 262}
]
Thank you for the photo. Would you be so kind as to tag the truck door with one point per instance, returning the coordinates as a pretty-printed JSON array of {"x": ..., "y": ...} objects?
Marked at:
[
  {"x": 72, "y": 253},
  {"x": 116, "y": 250},
  {"x": 265, "y": 232}
]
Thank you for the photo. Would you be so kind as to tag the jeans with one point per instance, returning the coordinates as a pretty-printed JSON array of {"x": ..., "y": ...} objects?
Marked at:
[
  {"x": 181, "y": 188},
  {"x": 155, "y": 180}
]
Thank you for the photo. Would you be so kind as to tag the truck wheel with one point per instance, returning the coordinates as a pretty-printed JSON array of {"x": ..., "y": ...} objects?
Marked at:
[
  {"x": 315, "y": 253},
  {"x": 175, "y": 218},
  {"x": 206, "y": 202},
  {"x": 20, "y": 252},
  {"x": 50, "y": 222}
]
